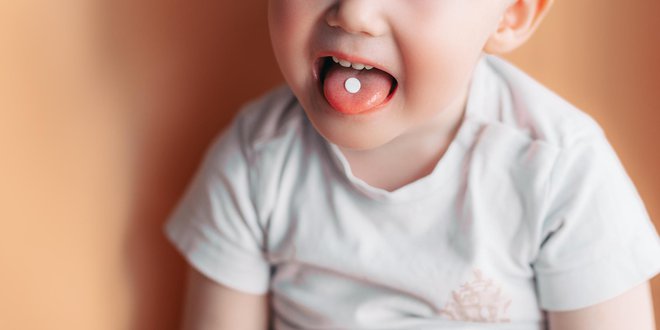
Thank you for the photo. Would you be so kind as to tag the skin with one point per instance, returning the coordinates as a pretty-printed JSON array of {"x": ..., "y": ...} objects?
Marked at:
[
  {"x": 213, "y": 306},
  {"x": 631, "y": 310},
  {"x": 433, "y": 70}
]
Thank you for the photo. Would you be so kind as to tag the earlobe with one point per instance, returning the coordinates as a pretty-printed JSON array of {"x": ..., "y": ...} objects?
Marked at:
[{"x": 517, "y": 24}]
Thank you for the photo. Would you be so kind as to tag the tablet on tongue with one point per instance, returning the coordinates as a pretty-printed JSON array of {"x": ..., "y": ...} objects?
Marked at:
[{"x": 375, "y": 86}]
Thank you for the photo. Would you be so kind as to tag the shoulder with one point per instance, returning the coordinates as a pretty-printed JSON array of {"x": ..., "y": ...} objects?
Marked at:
[
  {"x": 534, "y": 111},
  {"x": 270, "y": 121},
  {"x": 269, "y": 116},
  {"x": 267, "y": 140}
]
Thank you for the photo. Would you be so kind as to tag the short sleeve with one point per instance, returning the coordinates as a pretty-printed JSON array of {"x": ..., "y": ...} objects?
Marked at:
[
  {"x": 215, "y": 224},
  {"x": 597, "y": 238}
]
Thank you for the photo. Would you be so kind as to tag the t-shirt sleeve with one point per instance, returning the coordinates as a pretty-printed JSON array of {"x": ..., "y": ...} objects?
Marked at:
[
  {"x": 215, "y": 225},
  {"x": 597, "y": 238}
]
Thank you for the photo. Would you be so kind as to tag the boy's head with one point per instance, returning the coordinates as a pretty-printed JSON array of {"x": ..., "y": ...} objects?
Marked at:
[{"x": 423, "y": 53}]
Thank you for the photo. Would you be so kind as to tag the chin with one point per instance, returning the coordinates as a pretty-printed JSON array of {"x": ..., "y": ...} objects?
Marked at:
[
  {"x": 354, "y": 132},
  {"x": 356, "y": 141}
]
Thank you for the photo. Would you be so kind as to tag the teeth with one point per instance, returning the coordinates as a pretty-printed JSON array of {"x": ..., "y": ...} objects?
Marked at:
[
  {"x": 357, "y": 66},
  {"x": 347, "y": 64}
]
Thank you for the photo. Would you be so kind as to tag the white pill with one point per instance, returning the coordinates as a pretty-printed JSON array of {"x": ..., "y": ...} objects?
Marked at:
[{"x": 352, "y": 85}]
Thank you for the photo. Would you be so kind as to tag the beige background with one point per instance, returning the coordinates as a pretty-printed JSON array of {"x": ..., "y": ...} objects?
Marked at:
[{"x": 106, "y": 108}]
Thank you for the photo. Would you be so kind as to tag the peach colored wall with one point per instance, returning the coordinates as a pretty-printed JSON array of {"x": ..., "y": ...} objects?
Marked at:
[{"x": 106, "y": 108}]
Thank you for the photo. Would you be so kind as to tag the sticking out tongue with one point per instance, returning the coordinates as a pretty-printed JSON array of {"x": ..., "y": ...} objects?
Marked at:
[{"x": 350, "y": 97}]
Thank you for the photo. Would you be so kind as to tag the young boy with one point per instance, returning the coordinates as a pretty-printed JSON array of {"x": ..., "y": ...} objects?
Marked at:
[{"x": 405, "y": 178}]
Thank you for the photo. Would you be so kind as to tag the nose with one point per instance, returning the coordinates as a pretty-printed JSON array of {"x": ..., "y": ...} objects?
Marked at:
[{"x": 358, "y": 17}]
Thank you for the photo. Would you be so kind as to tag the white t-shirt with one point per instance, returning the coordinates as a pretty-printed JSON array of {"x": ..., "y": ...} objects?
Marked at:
[{"x": 529, "y": 209}]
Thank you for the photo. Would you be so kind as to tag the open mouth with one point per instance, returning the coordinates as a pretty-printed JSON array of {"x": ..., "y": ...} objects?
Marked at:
[{"x": 353, "y": 88}]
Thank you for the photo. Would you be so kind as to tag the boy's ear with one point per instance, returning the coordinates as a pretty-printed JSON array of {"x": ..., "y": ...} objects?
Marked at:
[{"x": 517, "y": 24}]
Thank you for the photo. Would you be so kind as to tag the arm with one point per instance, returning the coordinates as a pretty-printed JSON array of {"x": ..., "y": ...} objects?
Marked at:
[
  {"x": 213, "y": 306},
  {"x": 631, "y": 310}
]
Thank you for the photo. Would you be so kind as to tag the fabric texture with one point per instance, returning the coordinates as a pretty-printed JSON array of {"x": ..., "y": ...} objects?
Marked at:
[{"x": 528, "y": 210}]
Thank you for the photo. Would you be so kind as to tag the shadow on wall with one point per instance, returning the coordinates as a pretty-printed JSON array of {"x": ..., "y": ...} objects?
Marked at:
[{"x": 185, "y": 68}]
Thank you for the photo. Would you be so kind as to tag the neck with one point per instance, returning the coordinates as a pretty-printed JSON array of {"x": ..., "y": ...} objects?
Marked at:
[{"x": 390, "y": 167}]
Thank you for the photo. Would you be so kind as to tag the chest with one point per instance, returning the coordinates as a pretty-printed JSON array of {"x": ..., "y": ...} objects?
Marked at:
[{"x": 436, "y": 260}]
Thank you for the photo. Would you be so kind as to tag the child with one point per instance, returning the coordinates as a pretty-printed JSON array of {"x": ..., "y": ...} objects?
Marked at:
[{"x": 405, "y": 178}]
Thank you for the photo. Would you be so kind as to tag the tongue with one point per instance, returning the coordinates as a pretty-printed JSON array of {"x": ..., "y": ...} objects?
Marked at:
[{"x": 375, "y": 86}]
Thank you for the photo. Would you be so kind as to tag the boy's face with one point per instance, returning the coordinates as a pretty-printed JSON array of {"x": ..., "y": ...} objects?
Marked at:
[{"x": 429, "y": 47}]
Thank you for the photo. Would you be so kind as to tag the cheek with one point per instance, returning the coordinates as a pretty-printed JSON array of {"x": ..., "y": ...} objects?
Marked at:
[
  {"x": 439, "y": 64},
  {"x": 437, "y": 69},
  {"x": 280, "y": 27},
  {"x": 290, "y": 26}
]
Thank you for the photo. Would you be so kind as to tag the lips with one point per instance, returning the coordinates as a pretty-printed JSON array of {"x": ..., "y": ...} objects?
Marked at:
[{"x": 377, "y": 86}]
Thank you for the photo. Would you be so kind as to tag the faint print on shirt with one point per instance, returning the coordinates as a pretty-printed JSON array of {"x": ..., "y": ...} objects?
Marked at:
[{"x": 480, "y": 300}]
